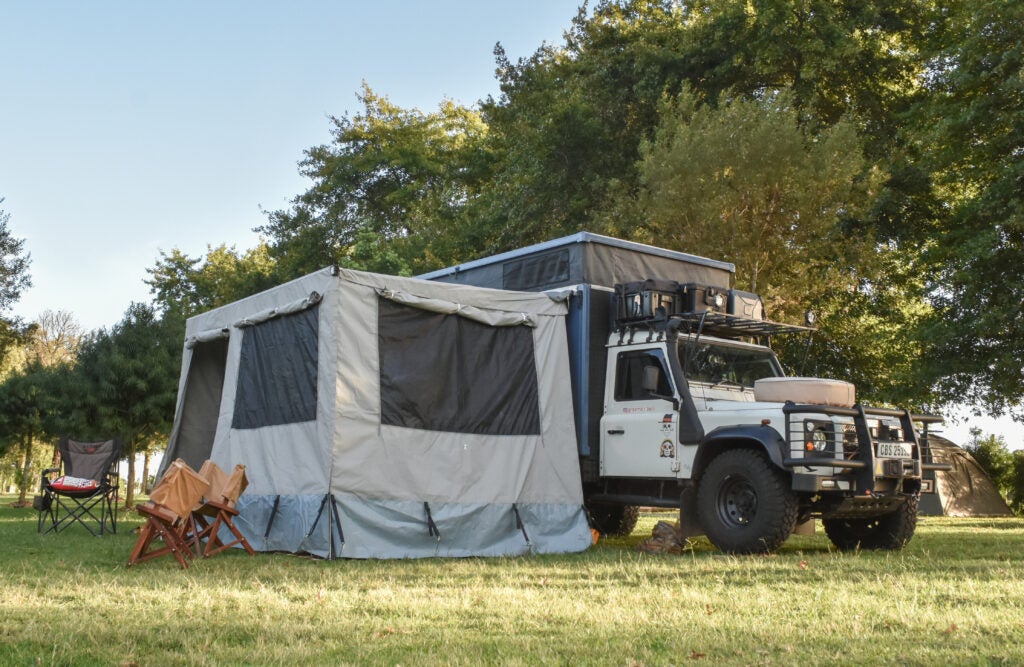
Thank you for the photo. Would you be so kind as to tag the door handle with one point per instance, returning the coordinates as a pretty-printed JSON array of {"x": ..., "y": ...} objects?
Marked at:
[{"x": 616, "y": 431}]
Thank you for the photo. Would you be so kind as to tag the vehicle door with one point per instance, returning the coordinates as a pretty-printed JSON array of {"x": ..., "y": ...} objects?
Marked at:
[{"x": 640, "y": 423}]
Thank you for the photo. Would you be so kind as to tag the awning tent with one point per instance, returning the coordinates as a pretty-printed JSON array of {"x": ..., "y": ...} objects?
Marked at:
[{"x": 387, "y": 417}]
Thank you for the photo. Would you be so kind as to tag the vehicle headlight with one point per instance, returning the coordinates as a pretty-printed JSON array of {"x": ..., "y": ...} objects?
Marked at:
[{"x": 817, "y": 439}]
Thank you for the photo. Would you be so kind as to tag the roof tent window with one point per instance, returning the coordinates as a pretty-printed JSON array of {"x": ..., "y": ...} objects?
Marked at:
[
  {"x": 278, "y": 371},
  {"x": 448, "y": 373},
  {"x": 537, "y": 272}
]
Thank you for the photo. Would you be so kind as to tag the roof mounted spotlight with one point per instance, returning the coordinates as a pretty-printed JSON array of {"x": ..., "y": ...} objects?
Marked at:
[{"x": 810, "y": 318}]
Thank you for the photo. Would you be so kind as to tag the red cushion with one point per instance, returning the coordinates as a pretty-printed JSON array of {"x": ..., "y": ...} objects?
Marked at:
[{"x": 68, "y": 483}]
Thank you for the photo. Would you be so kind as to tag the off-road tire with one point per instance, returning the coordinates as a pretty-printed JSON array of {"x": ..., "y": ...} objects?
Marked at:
[
  {"x": 745, "y": 504},
  {"x": 614, "y": 520},
  {"x": 890, "y": 532}
]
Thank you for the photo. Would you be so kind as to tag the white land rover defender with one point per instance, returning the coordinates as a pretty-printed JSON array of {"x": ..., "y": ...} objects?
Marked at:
[{"x": 693, "y": 392}]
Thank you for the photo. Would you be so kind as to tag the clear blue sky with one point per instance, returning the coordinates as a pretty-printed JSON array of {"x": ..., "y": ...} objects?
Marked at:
[{"x": 127, "y": 128}]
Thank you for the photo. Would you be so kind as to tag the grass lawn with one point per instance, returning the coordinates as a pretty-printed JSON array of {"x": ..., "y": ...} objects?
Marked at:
[{"x": 954, "y": 596}]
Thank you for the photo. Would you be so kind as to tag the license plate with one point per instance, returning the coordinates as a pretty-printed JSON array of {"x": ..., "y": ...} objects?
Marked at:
[{"x": 894, "y": 450}]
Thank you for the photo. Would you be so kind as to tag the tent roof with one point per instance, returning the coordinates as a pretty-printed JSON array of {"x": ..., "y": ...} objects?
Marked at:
[{"x": 966, "y": 490}]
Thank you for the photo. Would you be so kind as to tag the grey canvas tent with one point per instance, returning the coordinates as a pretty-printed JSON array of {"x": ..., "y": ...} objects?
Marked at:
[
  {"x": 966, "y": 490},
  {"x": 386, "y": 417}
]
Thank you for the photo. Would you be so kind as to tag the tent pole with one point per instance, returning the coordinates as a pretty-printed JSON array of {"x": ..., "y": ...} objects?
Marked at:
[
  {"x": 273, "y": 514},
  {"x": 337, "y": 524},
  {"x": 323, "y": 503},
  {"x": 521, "y": 526}
]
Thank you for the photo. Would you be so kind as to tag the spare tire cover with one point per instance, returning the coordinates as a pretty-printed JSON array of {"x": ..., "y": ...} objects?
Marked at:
[{"x": 818, "y": 391}]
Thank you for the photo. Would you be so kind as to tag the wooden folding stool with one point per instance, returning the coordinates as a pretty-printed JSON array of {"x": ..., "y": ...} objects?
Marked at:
[
  {"x": 168, "y": 513},
  {"x": 218, "y": 505}
]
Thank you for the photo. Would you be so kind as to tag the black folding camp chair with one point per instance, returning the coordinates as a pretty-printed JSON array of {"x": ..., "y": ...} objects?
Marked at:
[{"x": 84, "y": 489}]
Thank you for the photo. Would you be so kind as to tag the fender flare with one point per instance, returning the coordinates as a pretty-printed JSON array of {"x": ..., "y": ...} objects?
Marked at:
[{"x": 759, "y": 437}]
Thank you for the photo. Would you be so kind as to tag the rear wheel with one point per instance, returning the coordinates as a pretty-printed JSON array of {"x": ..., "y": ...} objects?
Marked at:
[
  {"x": 887, "y": 532},
  {"x": 614, "y": 520},
  {"x": 745, "y": 503}
]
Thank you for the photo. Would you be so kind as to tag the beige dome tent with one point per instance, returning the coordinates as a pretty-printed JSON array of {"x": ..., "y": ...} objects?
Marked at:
[{"x": 966, "y": 490}]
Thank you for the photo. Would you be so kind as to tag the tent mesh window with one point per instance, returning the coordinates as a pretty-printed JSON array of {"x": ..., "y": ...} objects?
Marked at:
[
  {"x": 537, "y": 273},
  {"x": 447, "y": 373},
  {"x": 278, "y": 372}
]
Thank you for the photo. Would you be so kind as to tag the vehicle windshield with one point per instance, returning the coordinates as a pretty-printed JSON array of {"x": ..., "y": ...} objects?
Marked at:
[{"x": 720, "y": 363}]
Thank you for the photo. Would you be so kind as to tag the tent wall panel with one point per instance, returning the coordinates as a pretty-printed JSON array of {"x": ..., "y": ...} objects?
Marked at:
[
  {"x": 298, "y": 526},
  {"x": 401, "y": 528}
]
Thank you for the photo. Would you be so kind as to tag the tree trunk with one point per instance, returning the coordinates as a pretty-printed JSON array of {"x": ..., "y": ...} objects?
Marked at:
[
  {"x": 26, "y": 471},
  {"x": 145, "y": 472},
  {"x": 129, "y": 494}
]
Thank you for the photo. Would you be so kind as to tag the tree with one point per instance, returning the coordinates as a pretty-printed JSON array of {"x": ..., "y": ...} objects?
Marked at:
[
  {"x": 129, "y": 376},
  {"x": 388, "y": 193},
  {"x": 567, "y": 128},
  {"x": 971, "y": 125},
  {"x": 184, "y": 286},
  {"x": 14, "y": 263},
  {"x": 1018, "y": 482},
  {"x": 55, "y": 338},
  {"x": 995, "y": 458},
  {"x": 14, "y": 278},
  {"x": 744, "y": 181},
  {"x": 31, "y": 411}
]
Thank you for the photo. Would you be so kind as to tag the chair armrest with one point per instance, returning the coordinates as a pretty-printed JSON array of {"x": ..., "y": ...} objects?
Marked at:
[{"x": 44, "y": 481}]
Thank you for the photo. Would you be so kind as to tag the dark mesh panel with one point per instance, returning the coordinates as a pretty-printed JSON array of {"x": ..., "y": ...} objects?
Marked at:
[
  {"x": 278, "y": 371},
  {"x": 447, "y": 373},
  {"x": 538, "y": 272}
]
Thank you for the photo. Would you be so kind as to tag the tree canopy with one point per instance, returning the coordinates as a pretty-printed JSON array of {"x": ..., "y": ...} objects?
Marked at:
[
  {"x": 971, "y": 125},
  {"x": 14, "y": 278},
  {"x": 864, "y": 160},
  {"x": 859, "y": 159}
]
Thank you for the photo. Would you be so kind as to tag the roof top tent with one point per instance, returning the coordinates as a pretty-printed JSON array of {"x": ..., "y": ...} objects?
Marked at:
[
  {"x": 591, "y": 265},
  {"x": 387, "y": 417},
  {"x": 585, "y": 259}
]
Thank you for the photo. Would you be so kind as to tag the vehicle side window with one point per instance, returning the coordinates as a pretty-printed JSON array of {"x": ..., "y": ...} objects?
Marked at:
[{"x": 629, "y": 373}]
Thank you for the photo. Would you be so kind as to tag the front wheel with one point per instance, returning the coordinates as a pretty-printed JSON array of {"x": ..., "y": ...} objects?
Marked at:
[
  {"x": 887, "y": 532},
  {"x": 745, "y": 503}
]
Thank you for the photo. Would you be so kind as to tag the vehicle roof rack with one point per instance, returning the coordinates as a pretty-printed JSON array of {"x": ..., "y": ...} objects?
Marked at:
[{"x": 709, "y": 322}]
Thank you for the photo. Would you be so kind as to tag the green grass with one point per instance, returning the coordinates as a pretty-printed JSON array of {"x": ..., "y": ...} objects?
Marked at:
[{"x": 954, "y": 596}]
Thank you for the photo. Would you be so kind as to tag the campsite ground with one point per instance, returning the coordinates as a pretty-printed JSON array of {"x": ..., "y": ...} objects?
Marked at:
[{"x": 954, "y": 596}]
